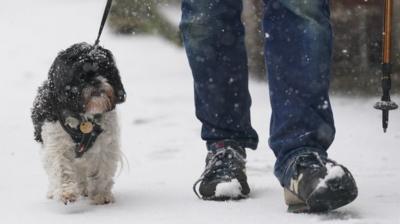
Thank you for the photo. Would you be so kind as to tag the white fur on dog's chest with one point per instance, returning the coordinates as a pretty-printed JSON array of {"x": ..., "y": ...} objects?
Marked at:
[{"x": 56, "y": 140}]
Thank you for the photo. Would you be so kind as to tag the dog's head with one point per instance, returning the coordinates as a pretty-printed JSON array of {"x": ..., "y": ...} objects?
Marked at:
[{"x": 85, "y": 79}]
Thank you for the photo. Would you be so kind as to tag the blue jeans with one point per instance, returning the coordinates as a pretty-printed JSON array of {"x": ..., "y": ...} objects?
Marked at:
[{"x": 298, "y": 52}]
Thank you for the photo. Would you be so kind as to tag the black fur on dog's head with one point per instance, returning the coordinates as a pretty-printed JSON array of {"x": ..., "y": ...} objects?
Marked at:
[{"x": 85, "y": 79}]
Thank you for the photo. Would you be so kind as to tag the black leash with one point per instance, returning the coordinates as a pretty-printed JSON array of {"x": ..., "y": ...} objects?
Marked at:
[{"x": 103, "y": 21}]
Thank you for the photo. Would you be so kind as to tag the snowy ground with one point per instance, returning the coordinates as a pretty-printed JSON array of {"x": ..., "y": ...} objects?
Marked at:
[{"x": 161, "y": 136}]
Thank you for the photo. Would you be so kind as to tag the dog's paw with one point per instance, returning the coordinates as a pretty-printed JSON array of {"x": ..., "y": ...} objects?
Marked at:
[
  {"x": 102, "y": 198},
  {"x": 85, "y": 193},
  {"x": 50, "y": 195},
  {"x": 68, "y": 197}
]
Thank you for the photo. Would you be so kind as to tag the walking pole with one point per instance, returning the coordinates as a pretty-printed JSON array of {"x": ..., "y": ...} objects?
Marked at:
[{"x": 386, "y": 104}]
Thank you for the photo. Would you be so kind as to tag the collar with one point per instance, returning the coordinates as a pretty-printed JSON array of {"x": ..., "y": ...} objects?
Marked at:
[{"x": 83, "y": 130}]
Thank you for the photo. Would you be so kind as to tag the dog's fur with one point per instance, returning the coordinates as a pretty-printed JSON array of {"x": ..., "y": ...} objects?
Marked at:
[{"x": 83, "y": 80}]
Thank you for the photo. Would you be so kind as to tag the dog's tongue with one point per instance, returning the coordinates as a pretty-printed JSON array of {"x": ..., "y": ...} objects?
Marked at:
[{"x": 95, "y": 111}]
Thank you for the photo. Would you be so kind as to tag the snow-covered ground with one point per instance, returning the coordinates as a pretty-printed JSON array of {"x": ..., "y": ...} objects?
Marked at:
[{"x": 160, "y": 136}]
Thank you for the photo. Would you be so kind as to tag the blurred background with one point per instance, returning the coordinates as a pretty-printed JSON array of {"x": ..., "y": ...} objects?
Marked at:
[
  {"x": 357, "y": 26},
  {"x": 160, "y": 136}
]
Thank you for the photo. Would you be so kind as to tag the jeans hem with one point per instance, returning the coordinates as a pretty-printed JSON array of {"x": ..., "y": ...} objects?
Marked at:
[
  {"x": 282, "y": 166},
  {"x": 250, "y": 144}
]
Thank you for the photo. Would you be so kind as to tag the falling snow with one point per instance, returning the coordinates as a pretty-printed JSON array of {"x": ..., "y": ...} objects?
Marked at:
[{"x": 161, "y": 136}]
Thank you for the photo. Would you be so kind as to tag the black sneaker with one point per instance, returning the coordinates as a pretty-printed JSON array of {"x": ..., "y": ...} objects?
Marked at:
[
  {"x": 224, "y": 177},
  {"x": 318, "y": 184}
]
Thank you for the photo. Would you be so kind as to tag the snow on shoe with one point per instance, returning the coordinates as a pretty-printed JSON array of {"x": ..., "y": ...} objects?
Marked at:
[{"x": 224, "y": 177}]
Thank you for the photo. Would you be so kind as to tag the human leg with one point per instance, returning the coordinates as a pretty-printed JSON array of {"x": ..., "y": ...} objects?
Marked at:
[
  {"x": 298, "y": 54},
  {"x": 213, "y": 36}
]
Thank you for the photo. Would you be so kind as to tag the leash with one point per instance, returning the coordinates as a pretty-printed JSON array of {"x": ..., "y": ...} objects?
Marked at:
[{"x": 103, "y": 21}]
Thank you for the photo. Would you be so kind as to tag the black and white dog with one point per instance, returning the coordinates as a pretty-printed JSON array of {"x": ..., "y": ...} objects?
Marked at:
[{"x": 75, "y": 121}]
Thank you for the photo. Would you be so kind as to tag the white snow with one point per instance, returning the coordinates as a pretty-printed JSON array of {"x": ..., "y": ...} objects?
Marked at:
[
  {"x": 229, "y": 189},
  {"x": 333, "y": 172},
  {"x": 160, "y": 134}
]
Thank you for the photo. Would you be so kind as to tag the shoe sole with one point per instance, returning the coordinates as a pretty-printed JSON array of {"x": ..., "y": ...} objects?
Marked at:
[
  {"x": 323, "y": 199},
  {"x": 223, "y": 198}
]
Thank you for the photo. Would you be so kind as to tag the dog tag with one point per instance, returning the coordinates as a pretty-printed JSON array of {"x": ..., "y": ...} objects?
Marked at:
[
  {"x": 72, "y": 122},
  {"x": 86, "y": 127}
]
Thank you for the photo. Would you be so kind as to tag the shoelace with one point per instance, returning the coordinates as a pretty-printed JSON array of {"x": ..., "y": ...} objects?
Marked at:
[
  {"x": 220, "y": 170},
  {"x": 307, "y": 160}
]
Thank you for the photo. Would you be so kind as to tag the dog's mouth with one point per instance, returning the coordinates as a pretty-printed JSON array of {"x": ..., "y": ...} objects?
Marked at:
[{"x": 99, "y": 99}]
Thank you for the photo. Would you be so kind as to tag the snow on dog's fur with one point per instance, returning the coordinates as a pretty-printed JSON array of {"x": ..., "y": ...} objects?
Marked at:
[{"x": 83, "y": 81}]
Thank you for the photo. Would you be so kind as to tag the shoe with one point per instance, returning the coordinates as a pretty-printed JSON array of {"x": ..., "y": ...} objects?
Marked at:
[
  {"x": 318, "y": 184},
  {"x": 224, "y": 177}
]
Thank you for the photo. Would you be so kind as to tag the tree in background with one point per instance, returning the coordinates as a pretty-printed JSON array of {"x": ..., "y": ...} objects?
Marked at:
[
  {"x": 357, "y": 25},
  {"x": 143, "y": 17},
  {"x": 252, "y": 14},
  {"x": 357, "y": 46}
]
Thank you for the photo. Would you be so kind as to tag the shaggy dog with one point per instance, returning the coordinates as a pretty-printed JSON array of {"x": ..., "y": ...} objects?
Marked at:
[{"x": 75, "y": 121}]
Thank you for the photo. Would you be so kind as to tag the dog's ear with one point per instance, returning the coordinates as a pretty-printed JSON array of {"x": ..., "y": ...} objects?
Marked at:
[
  {"x": 43, "y": 109},
  {"x": 119, "y": 90},
  {"x": 112, "y": 74},
  {"x": 121, "y": 94}
]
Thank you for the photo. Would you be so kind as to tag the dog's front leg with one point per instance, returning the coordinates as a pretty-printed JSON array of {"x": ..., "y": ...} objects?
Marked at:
[
  {"x": 68, "y": 191},
  {"x": 99, "y": 187},
  {"x": 59, "y": 157},
  {"x": 62, "y": 174},
  {"x": 100, "y": 183}
]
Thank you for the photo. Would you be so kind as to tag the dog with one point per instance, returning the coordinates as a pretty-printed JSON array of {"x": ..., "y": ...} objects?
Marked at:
[{"x": 76, "y": 124}]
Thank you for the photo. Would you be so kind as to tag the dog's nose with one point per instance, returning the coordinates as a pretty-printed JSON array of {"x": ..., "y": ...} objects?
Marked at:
[{"x": 94, "y": 82}]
